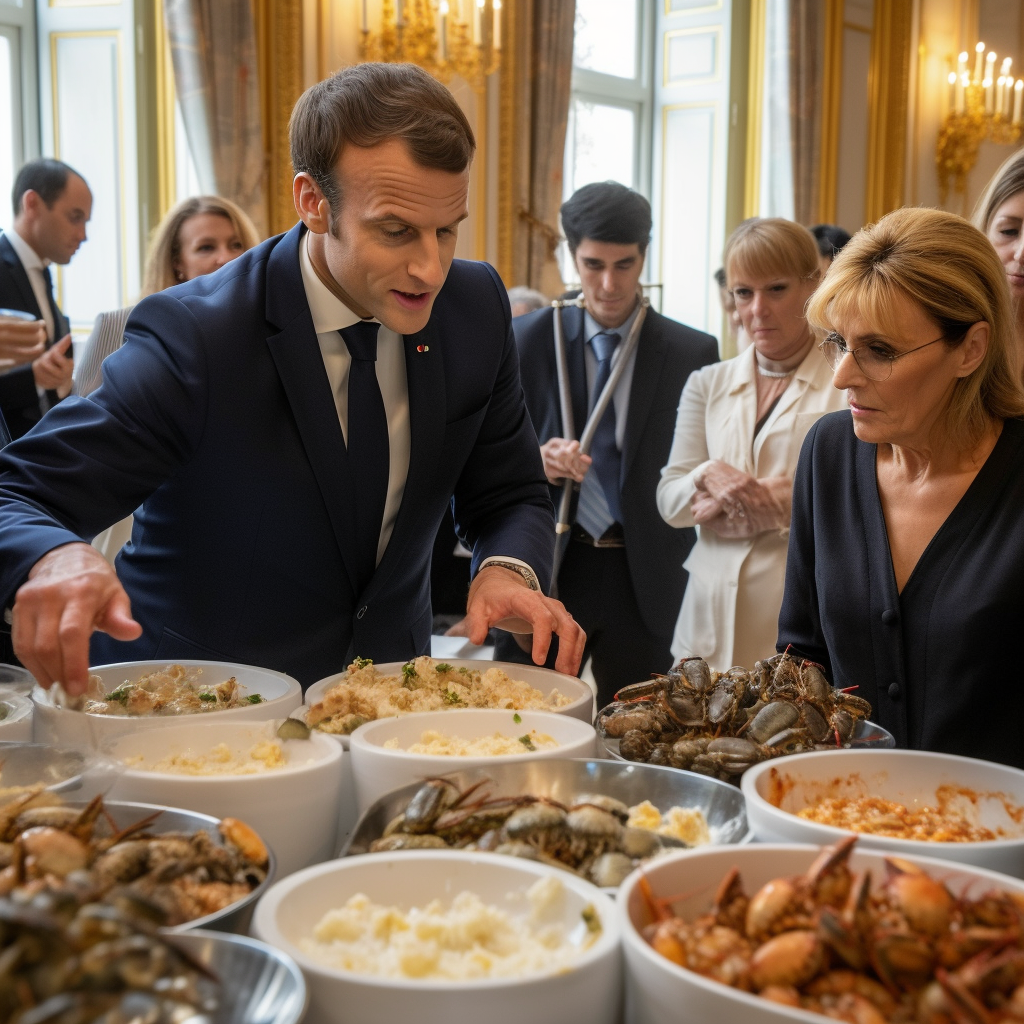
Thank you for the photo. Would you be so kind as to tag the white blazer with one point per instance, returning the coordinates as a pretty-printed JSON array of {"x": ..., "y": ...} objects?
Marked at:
[{"x": 730, "y": 612}]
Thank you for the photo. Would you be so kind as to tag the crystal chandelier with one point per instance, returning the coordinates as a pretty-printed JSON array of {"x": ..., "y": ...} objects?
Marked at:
[
  {"x": 980, "y": 106},
  {"x": 444, "y": 37}
]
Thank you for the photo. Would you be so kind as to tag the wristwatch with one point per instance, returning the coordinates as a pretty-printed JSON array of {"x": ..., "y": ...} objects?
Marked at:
[{"x": 523, "y": 570}]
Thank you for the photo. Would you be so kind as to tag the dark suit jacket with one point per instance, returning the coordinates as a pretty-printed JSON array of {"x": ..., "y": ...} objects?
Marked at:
[
  {"x": 666, "y": 354},
  {"x": 19, "y": 399},
  {"x": 217, "y": 416}
]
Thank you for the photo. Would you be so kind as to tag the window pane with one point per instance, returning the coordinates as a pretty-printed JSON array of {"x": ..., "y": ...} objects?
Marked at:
[
  {"x": 8, "y": 147},
  {"x": 600, "y": 146},
  {"x": 606, "y": 37}
]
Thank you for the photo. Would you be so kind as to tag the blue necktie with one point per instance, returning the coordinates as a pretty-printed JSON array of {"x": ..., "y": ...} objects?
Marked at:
[
  {"x": 600, "y": 503},
  {"x": 369, "y": 449}
]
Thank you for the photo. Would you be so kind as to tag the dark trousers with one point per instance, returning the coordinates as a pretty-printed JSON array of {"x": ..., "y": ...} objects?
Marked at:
[{"x": 596, "y": 587}]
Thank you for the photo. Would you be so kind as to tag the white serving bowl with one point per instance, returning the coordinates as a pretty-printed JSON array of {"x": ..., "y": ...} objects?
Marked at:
[
  {"x": 660, "y": 992},
  {"x": 52, "y": 724},
  {"x": 377, "y": 769},
  {"x": 292, "y": 808},
  {"x": 589, "y": 991},
  {"x": 776, "y": 790},
  {"x": 17, "y": 723}
]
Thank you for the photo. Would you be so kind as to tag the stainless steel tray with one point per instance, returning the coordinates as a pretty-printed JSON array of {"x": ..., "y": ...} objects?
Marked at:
[
  {"x": 234, "y": 918},
  {"x": 564, "y": 778}
]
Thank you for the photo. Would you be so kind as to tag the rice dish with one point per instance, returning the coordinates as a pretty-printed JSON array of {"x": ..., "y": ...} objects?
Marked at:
[
  {"x": 174, "y": 690},
  {"x": 365, "y": 695},
  {"x": 684, "y": 823},
  {"x": 264, "y": 756}
]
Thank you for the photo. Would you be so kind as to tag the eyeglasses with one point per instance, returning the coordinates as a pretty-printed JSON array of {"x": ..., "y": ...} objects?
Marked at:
[{"x": 874, "y": 361}]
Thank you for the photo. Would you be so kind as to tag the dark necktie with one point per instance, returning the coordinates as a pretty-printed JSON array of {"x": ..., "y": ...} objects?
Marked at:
[
  {"x": 607, "y": 458},
  {"x": 54, "y": 311},
  {"x": 369, "y": 450}
]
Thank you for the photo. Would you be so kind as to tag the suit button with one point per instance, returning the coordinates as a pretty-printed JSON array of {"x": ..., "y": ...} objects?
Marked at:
[
  {"x": 889, "y": 617},
  {"x": 894, "y": 691},
  {"x": 361, "y": 612}
]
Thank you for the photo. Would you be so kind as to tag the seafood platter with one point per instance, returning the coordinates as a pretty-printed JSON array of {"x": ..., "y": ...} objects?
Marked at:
[
  {"x": 766, "y": 933},
  {"x": 908, "y": 802},
  {"x": 131, "y": 696},
  {"x": 438, "y": 936},
  {"x": 600, "y": 819},
  {"x": 392, "y": 752},
  {"x": 280, "y": 787},
  {"x": 722, "y": 723}
]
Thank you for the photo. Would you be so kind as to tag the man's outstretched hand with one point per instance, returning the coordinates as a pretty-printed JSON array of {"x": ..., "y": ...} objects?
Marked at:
[
  {"x": 498, "y": 594},
  {"x": 71, "y": 591}
]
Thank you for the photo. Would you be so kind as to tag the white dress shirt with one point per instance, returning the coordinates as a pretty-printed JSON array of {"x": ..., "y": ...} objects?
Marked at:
[
  {"x": 620, "y": 397},
  {"x": 330, "y": 314},
  {"x": 35, "y": 266}
]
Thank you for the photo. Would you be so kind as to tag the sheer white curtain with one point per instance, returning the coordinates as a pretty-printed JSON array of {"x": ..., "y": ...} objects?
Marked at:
[{"x": 776, "y": 129}]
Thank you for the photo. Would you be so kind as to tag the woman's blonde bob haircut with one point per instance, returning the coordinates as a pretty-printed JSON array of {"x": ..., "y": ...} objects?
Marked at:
[
  {"x": 766, "y": 247},
  {"x": 165, "y": 246},
  {"x": 1005, "y": 183},
  {"x": 950, "y": 270}
]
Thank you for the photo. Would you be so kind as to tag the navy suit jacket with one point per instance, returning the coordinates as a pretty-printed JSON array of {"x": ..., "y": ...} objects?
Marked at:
[
  {"x": 666, "y": 354},
  {"x": 19, "y": 400},
  {"x": 217, "y": 417}
]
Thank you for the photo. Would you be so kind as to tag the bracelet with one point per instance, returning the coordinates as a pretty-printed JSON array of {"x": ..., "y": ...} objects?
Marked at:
[{"x": 527, "y": 573}]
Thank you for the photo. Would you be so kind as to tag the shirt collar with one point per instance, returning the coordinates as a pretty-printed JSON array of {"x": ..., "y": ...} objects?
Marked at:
[
  {"x": 328, "y": 311},
  {"x": 592, "y": 327},
  {"x": 30, "y": 259}
]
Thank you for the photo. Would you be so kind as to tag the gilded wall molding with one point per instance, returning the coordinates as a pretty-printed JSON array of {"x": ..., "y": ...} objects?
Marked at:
[
  {"x": 510, "y": 73},
  {"x": 831, "y": 97},
  {"x": 755, "y": 108},
  {"x": 887, "y": 107},
  {"x": 279, "y": 44}
]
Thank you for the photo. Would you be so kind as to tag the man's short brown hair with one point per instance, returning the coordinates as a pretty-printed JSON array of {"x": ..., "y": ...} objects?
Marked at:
[{"x": 368, "y": 104}]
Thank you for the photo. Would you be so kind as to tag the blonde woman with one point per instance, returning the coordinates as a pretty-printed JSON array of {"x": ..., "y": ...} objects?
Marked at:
[
  {"x": 1000, "y": 215},
  {"x": 907, "y": 547},
  {"x": 737, "y": 439},
  {"x": 197, "y": 237}
]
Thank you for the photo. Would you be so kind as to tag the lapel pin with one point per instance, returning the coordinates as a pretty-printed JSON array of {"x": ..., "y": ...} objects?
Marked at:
[{"x": 422, "y": 348}]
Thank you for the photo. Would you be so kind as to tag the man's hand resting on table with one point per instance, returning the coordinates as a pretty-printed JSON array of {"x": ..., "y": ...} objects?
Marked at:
[
  {"x": 71, "y": 591},
  {"x": 498, "y": 594}
]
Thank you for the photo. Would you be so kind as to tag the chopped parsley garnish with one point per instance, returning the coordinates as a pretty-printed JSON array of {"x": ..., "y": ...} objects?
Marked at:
[
  {"x": 443, "y": 667},
  {"x": 451, "y": 697},
  {"x": 463, "y": 670},
  {"x": 254, "y": 698},
  {"x": 408, "y": 674},
  {"x": 517, "y": 718},
  {"x": 527, "y": 742},
  {"x": 362, "y": 662},
  {"x": 120, "y": 695},
  {"x": 207, "y": 697}
]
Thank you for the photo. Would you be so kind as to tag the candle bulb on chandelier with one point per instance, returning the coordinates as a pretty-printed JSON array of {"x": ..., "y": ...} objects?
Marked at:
[
  {"x": 366, "y": 24},
  {"x": 987, "y": 87},
  {"x": 497, "y": 24},
  {"x": 961, "y": 91},
  {"x": 442, "y": 31},
  {"x": 961, "y": 66},
  {"x": 1008, "y": 97},
  {"x": 951, "y": 98},
  {"x": 1017, "y": 87},
  {"x": 1000, "y": 87},
  {"x": 979, "y": 62}
]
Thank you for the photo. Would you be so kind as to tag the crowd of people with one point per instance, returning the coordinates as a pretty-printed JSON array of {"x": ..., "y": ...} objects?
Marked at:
[{"x": 291, "y": 422}]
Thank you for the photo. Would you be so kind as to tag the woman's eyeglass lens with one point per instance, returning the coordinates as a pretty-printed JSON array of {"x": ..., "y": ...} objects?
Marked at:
[{"x": 875, "y": 365}]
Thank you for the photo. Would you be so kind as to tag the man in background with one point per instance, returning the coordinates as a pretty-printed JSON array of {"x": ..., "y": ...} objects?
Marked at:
[
  {"x": 52, "y": 205},
  {"x": 622, "y": 575}
]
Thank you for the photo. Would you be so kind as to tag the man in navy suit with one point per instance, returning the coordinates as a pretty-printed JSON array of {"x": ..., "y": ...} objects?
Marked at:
[
  {"x": 622, "y": 576},
  {"x": 294, "y": 426},
  {"x": 52, "y": 205}
]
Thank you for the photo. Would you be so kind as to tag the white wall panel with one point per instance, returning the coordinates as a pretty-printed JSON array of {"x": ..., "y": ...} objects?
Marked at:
[{"x": 687, "y": 187}]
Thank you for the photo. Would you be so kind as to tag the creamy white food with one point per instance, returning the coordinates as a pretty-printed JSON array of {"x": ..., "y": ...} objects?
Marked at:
[
  {"x": 437, "y": 743},
  {"x": 263, "y": 756},
  {"x": 685, "y": 823},
  {"x": 463, "y": 941}
]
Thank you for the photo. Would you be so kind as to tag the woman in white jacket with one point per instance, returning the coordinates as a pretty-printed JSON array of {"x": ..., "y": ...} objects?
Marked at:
[{"x": 738, "y": 435}]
